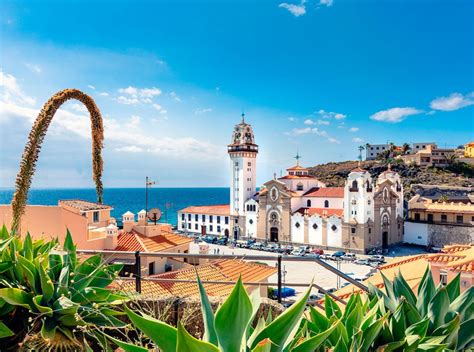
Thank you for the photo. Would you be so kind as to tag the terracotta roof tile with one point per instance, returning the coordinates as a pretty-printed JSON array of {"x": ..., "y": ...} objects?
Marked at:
[
  {"x": 297, "y": 167},
  {"x": 134, "y": 241},
  {"x": 295, "y": 177},
  {"x": 221, "y": 209},
  {"x": 84, "y": 205},
  {"x": 325, "y": 192}
]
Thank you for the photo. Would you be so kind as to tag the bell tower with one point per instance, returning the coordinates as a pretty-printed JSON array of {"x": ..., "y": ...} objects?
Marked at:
[{"x": 243, "y": 156}]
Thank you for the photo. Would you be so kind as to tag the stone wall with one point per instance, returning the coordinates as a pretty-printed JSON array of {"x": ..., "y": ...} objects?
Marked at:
[{"x": 441, "y": 235}]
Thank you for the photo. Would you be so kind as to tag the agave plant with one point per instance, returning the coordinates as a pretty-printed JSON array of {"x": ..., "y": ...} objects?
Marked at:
[
  {"x": 52, "y": 296},
  {"x": 229, "y": 329}
]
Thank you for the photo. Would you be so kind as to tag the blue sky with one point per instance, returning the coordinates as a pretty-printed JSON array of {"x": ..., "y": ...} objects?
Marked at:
[{"x": 172, "y": 77}]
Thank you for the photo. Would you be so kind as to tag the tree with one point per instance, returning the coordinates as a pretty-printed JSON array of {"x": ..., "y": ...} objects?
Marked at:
[
  {"x": 33, "y": 147},
  {"x": 405, "y": 148}
]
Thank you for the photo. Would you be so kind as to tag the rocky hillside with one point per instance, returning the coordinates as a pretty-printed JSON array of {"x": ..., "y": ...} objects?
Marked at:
[{"x": 460, "y": 174}]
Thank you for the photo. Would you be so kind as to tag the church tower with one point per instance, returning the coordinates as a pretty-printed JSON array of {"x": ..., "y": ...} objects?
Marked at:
[{"x": 243, "y": 155}]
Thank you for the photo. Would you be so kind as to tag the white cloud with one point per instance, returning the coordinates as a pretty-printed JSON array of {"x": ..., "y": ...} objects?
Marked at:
[
  {"x": 333, "y": 140},
  {"x": 357, "y": 140},
  {"x": 130, "y": 149},
  {"x": 326, "y": 2},
  {"x": 395, "y": 115},
  {"x": 34, "y": 68},
  {"x": 132, "y": 95},
  {"x": 175, "y": 97},
  {"x": 163, "y": 111},
  {"x": 307, "y": 130},
  {"x": 295, "y": 10},
  {"x": 353, "y": 129},
  {"x": 308, "y": 122},
  {"x": 11, "y": 91},
  {"x": 79, "y": 107},
  {"x": 452, "y": 102},
  {"x": 330, "y": 115},
  {"x": 91, "y": 86},
  {"x": 158, "y": 107},
  {"x": 104, "y": 94},
  {"x": 134, "y": 121},
  {"x": 318, "y": 122},
  {"x": 291, "y": 119},
  {"x": 201, "y": 111}
]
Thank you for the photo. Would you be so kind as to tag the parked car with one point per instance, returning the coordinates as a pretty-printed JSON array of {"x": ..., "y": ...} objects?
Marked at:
[
  {"x": 272, "y": 247},
  {"x": 377, "y": 258},
  {"x": 337, "y": 255},
  {"x": 316, "y": 296},
  {"x": 349, "y": 256},
  {"x": 210, "y": 239},
  {"x": 313, "y": 255},
  {"x": 250, "y": 242},
  {"x": 288, "y": 249},
  {"x": 257, "y": 246},
  {"x": 361, "y": 262},
  {"x": 223, "y": 241},
  {"x": 325, "y": 256},
  {"x": 298, "y": 252},
  {"x": 317, "y": 251},
  {"x": 306, "y": 249}
]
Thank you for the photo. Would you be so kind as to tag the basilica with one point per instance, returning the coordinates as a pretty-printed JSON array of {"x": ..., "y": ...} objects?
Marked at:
[{"x": 298, "y": 208}]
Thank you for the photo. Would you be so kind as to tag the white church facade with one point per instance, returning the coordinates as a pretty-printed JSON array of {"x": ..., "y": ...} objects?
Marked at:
[{"x": 298, "y": 208}]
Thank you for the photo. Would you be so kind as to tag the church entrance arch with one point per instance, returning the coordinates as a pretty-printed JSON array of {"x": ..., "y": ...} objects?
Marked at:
[{"x": 274, "y": 234}]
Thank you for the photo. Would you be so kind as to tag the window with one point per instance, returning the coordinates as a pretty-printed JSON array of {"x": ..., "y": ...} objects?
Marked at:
[
  {"x": 196, "y": 217},
  {"x": 210, "y": 218},
  {"x": 417, "y": 216},
  {"x": 218, "y": 219},
  {"x": 182, "y": 217},
  {"x": 297, "y": 225},
  {"x": 334, "y": 227},
  {"x": 189, "y": 225},
  {"x": 210, "y": 228},
  {"x": 195, "y": 226},
  {"x": 444, "y": 218},
  {"x": 95, "y": 216},
  {"x": 249, "y": 163},
  {"x": 236, "y": 163},
  {"x": 218, "y": 229},
  {"x": 326, "y": 203},
  {"x": 369, "y": 202},
  {"x": 250, "y": 221},
  {"x": 151, "y": 268},
  {"x": 459, "y": 219},
  {"x": 236, "y": 221},
  {"x": 189, "y": 217},
  {"x": 430, "y": 218},
  {"x": 299, "y": 187},
  {"x": 308, "y": 203},
  {"x": 315, "y": 226},
  {"x": 353, "y": 230},
  {"x": 226, "y": 220},
  {"x": 443, "y": 277},
  {"x": 354, "y": 187},
  {"x": 370, "y": 230},
  {"x": 204, "y": 218}
]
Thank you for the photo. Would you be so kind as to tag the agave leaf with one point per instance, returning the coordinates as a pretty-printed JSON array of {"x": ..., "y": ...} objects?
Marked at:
[
  {"x": 269, "y": 318},
  {"x": 162, "y": 334},
  {"x": 376, "y": 293},
  {"x": 401, "y": 288},
  {"x": 411, "y": 313},
  {"x": 47, "y": 311},
  {"x": 258, "y": 328},
  {"x": 16, "y": 297},
  {"x": 426, "y": 291},
  {"x": 127, "y": 347},
  {"x": 465, "y": 336},
  {"x": 55, "y": 265},
  {"x": 437, "y": 308},
  {"x": 316, "y": 341},
  {"x": 29, "y": 271},
  {"x": 4, "y": 233},
  {"x": 431, "y": 347},
  {"x": 70, "y": 249},
  {"x": 27, "y": 250},
  {"x": 64, "y": 306},
  {"x": 48, "y": 329},
  {"x": 283, "y": 328},
  {"x": 100, "y": 319},
  {"x": 263, "y": 346},
  {"x": 370, "y": 334},
  {"x": 341, "y": 346},
  {"x": 232, "y": 318},
  {"x": 207, "y": 315},
  {"x": 47, "y": 287},
  {"x": 450, "y": 330},
  {"x": 389, "y": 287},
  {"x": 91, "y": 294},
  {"x": 419, "y": 328},
  {"x": 188, "y": 343},
  {"x": 397, "y": 323},
  {"x": 5, "y": 331},
  {"x": 353, "y": 321},
  {"x": 256, "y": 302},
  {"x": 391, "y": 346},
  {"x": 331, "y": 307},
  {"x": 318, "y": 319},
  {"x": 463, "y": 304}
]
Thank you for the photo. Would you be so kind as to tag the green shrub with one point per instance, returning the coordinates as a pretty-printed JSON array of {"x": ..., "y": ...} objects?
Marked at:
[{"x": 51, "y": 299}]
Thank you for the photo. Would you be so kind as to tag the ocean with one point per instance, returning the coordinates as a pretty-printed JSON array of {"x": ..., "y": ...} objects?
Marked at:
[{"x": 169, "y": 200}]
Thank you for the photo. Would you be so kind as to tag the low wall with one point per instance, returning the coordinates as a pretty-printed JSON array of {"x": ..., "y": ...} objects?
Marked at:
[{"x": 437, "y": 235}]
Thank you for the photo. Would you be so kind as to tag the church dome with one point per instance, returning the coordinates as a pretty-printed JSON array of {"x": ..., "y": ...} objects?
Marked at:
[{"x": 243, "y": 138}]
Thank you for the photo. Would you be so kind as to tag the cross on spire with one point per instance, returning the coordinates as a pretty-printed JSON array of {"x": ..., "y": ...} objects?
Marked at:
[
  {"x": 297, "y": 157},
  {"x": 243, "y": 116}
]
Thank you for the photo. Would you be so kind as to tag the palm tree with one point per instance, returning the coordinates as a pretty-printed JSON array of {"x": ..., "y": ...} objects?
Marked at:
[
  {"x": 405, "y": 148},
  {"x": 33, "y": 147}
]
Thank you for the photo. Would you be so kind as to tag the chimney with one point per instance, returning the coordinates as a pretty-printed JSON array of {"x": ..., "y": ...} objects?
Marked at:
[
  {"x": 142, "y": 218},
  {"x": 111, "y": 238},
  {"x": 128, "y": 220}
]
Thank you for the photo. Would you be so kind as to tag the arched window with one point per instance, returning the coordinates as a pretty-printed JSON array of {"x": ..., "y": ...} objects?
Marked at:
[
  {"x": 326, "y": 203},
  {"x": 299, "y": 187},
  {"x": 308, "y": 203},
  {"x": 247, "y": 207},
  {"x": 354, "y": 187}
]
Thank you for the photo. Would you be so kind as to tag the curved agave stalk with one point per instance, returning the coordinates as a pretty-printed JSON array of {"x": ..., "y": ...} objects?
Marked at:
[{"x": 35, "y": 139}]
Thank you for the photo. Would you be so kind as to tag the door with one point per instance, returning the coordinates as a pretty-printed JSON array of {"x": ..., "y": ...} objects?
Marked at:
[
  {"x": 203, "y": 230},
  {"x": 226, "y": 233},
  {"x": 385, "y": 239},
  {"x": 274, "y": 234}
]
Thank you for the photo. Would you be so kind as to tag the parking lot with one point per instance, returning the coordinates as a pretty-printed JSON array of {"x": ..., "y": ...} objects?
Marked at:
[{"x": 305, "y": 272}]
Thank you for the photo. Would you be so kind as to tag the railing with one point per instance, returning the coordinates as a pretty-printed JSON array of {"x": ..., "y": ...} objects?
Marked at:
[{"x": 278, "y": 259}]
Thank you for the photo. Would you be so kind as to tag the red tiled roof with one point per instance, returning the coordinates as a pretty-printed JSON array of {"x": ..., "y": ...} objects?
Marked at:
[
  {"x": 464, "y": 266},
  {"x": 297, "y": 167},
  {"x": 326, "y": 192},
  {"x": 294, "y": 177},
  {"x": 224, "y": 270},
  {"x": 321, "y": 211},
  {"x": 358, "y": 169},
  {"x": 222, "y": 209},
  {"x": 134, "y": 241}
]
